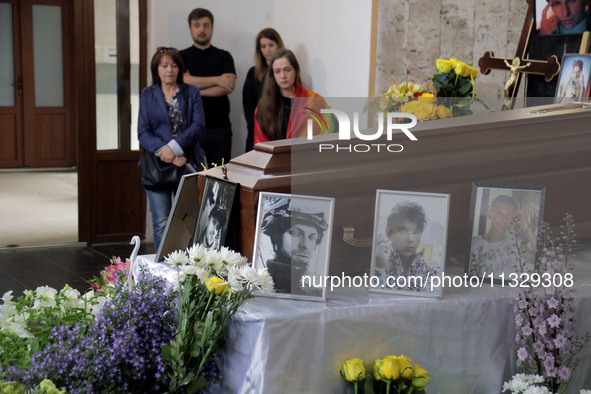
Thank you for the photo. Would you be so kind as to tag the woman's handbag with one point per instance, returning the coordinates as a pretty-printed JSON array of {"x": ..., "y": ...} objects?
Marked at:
[{"x": 156, "y": 174}]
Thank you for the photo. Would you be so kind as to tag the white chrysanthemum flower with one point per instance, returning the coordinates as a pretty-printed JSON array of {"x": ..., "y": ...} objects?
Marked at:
[
  {"x": 196, "y": 253},
  {"x": 260, "y": 278},
  {"x": 199, "y": 272},
  {"x": 265, "y": 281},
  {"x": 214, "y": 260},
  {"x": 233, "y": 259},
  {"x": 235, "y": 280},
  {"x": 536, "y": 390},
  {"x": 44, "y": 297},
  {"x": 177, "y": 258},
  {"x": 181, "y": 279}
]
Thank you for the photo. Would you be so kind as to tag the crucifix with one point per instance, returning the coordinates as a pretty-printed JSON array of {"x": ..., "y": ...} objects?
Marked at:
[{"x": 519, "y": 64}]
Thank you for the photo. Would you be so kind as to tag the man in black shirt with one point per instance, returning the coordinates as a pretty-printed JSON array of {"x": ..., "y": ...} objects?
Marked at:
[{"x": 211, "y": 70}]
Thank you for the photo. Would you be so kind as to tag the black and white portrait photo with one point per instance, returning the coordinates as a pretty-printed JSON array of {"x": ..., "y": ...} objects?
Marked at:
[
  {"x": 214, "y": 213},
  {"x": 410, "y": 236},
  {"x": 293, "y": 242}
]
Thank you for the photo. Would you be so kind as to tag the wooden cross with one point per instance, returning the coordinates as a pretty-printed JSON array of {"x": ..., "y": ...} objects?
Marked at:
[{"x": 519, "y": 64}]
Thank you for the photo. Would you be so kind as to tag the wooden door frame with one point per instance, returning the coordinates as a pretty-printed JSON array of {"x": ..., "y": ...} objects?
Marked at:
[
  {"x": 33, "y": 141},
  {"x": 17, "y": 110},
  {"x": 92, "y": 197}
]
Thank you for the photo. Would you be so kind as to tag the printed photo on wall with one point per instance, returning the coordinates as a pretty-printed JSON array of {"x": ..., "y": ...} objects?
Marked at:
[
  {"x": 214, "y": 212},
  {"x": 292, "y": 241},
  {"x": 561, "y": 17},
  {"x": 409, "y": 242},
  {"x": 573, "y": 81},
  {"x": 502, "y": 217}
]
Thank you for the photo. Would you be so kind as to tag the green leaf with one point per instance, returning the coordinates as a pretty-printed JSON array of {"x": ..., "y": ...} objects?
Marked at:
[
  {"x": 166, "y": 353},
  {"x": 197, "y": 385},
  {"x": 465, "y": 88}
]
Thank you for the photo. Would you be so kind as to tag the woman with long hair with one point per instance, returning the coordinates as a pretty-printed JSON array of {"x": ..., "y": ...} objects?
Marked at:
[
  {"x": 170, "y": 124},
  {"x": 274, "y": 116},
  {"x": 268, "y": 41}
]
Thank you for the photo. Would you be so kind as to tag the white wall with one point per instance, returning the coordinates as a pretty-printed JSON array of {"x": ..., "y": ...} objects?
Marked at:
[{"x": 330, "y": 38}]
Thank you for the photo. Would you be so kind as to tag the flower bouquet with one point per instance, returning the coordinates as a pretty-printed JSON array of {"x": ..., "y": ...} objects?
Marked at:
[
  {"x": 392, "y": 374},
  {"x": 454, "y": 82},
  {"x": 213, "y": 285},
  {"x": 117, "y": 270},
  {"x": 413, "y": 99},
  {"x": 117, "y": 350}
]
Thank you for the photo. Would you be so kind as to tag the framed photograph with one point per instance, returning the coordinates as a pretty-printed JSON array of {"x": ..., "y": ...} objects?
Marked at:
[
  {"x": 409, "y": 243},
  {"x": 573, "y": 81},
  {"x": 292, "y": 241},
  {"x": 180, "y": 226},
  {"x": 214, "y": 212},
  {"x": 500, "y": 217},
  {"x": 560, "y": 17}
]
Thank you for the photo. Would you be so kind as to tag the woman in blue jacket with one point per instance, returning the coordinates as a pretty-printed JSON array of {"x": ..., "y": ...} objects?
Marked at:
[{"x": 171, "y": 123}]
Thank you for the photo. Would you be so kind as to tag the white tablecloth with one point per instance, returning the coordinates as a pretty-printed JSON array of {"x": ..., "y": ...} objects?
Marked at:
[{"x": 466, "y": 340}]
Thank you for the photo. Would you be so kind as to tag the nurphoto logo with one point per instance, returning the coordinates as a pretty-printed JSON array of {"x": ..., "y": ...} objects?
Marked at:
[{"x": 393, "y": 120}]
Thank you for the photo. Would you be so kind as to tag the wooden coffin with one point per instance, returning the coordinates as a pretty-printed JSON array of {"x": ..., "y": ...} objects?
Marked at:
[{"x": 542, "y": 146}]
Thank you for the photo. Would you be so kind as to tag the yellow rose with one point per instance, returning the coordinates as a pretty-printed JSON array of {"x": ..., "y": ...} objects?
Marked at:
[
  {"x": 353, "y": 370},
  {"x": 444, "y": 66},
  {"x": 377, "y": 369},
  {"x": 443, "y": 111},
  {"x": 406, "y": 369},
  {"x": 420, "y": 378},
  {"x": 215, "y": 283},
  {"x": 410, "y": 106},
  {"x": 426, "y": 111},
  {"x": 473, "y": 72},
  {"x": 427, "y": 98},
  {"x": 393, "y": 366},
  {"x": 461, "y": 69},
  {"x": 386, "y": 369}
]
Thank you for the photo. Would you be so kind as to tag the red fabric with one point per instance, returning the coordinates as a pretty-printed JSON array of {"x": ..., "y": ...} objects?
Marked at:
[{"x": 297, "y": 116}]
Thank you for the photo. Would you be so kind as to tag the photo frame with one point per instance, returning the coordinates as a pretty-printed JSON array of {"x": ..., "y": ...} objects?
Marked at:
[
  {"x": 556, "y": 21},
  {"x": 492, "y": 252},
  {"x": 573, "y": 81},
  {"x": 292, "y": 240},
  {"x": 215, "y": 209},
  {"x": 180, "y": 225},
  {"x": 409, "y": 243}
]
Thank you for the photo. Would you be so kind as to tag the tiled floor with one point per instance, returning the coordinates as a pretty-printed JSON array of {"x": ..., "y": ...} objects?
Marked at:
[{"x": 28, "y": 268}]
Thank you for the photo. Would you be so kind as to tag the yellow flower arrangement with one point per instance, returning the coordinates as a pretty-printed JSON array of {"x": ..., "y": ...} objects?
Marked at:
[
  {"x": 444, "y": 96},
  {"x": 391, "y": 372}
]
